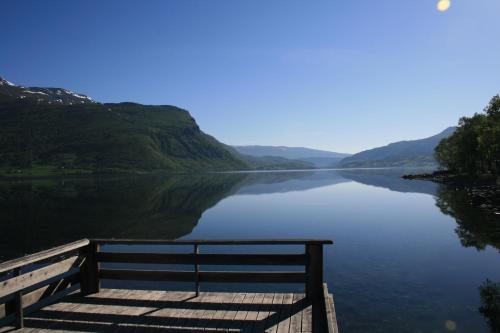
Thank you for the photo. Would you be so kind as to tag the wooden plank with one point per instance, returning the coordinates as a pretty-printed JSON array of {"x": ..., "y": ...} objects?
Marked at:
[
  {"x": 18, "y": 301},
  {"x": 215, "y": 276},
  {"x": 89, "y": 271},
  {"x": 221, "y": 313},
  {"x": 203, "y": 259},
  {"x": 37, "y": 298},
  {"x": 179, "y": 315},
  {"x": 284, "y": 324},
  {"x": 205, "y": 314},
  {"x": 239, "y": 319},
  {"x": 174, "y": 312},
  {"x": 264, "y": 312},
  {"x": 330, "y": 311},
  {"x": 315, "y": 272},
  {"x": 50, "y": 299},
  {"x": 146, "y": 275},
  {"x": 67, "y": 312},
  {"x": 160, "y": 319},
  {"x": 252, "y": 315},
  {"x": 273, "y": 319},
  {"x": 253, "y": 259},
  {"x": 192, "y": 312},
  {"x": 307, "y": 319},
  {"x": 315, "y": 286},
  {"x": 25, "y": 280},
  {"x": 32, "y": 258},
  {"x": 213, "y": 242},
  {"x": 196, "y": 269},
  {"x": 37, "y": 295},
  {"x": 214, "y": 316},
  {"x": 253, "y": 277},
  {"x": 232, "y": 311},
  {"x": 52, "y": 324},
  {"x": 131, "y": 314},
  {"x": 47, "y": 301},
  {"x": 296, "y": 317},
  {"x": 226, "y": 301}
]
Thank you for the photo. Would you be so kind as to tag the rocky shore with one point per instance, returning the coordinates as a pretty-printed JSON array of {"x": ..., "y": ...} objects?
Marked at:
[{"x": 483, "y": 191}]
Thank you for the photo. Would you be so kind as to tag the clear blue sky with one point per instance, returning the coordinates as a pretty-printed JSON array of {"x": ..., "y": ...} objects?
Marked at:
[{"x": 343, "y": 75}]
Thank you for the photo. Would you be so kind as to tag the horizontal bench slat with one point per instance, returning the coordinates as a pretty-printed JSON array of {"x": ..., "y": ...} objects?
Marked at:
[
  {"x": 213, "y": 242},
  {"x": 32, "y": 258},
  {"x": 25, "y": 280},
  {"x": 253, "y": 277},
  {"x": 189, "y": 276},
  {"x": 146, "y": 275},
  {"x": 202, "y": 259},
  {"x": 37, "y": 295},
  {"x": 44, "y": 292}
]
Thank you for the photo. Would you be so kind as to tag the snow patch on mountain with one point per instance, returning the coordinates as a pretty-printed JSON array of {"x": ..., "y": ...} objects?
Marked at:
[
  {"x": 5, "y": 82},
  {"x": 35, "y": 92}
]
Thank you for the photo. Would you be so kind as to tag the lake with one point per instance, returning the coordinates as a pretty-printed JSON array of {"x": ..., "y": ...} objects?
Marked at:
[{"x": 408, "y": 256}]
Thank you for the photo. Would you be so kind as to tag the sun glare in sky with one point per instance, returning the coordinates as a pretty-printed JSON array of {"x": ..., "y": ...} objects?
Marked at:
[{"x": 443, "y": 5}]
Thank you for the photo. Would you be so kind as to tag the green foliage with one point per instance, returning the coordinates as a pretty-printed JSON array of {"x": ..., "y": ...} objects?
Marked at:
[
  {"x": 474, "y": 148},
  {"x": 490, "y": 304},
  {"x": 106, "y": 138},
  {"x": 493, "y": 108}
]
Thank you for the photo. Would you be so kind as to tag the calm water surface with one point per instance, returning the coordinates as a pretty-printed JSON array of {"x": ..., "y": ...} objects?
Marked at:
[{"x": 409, "y": 256}]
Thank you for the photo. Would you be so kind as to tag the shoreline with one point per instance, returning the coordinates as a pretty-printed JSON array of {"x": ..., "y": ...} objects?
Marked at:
[{"x": 483, "y": 191}]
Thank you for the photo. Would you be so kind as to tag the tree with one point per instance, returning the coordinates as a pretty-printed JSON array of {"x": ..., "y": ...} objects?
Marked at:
[
  {"x": 493, "y": 108},
  {"x": 474, "y": 148}
]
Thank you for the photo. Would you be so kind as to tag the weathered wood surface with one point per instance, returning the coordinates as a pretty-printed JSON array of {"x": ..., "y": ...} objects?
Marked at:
[
  {"x": 277, "y": 313},
  {"x": 213, "y": 276},
  {"x": 118, "y": 310},
  {"x": 31, "y": 278},
  {"x": 36, "y": 257},
  {"x": 203, "y": 259},
  {"x": 214, "y": 242}
]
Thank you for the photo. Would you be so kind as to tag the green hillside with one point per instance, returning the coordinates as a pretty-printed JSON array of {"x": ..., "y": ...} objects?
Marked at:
[
  {"x": 46, "y": 139},
  {"x": 414, "y": 153}
]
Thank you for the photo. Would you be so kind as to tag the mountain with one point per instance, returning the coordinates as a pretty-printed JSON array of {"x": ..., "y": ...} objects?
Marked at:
[
  {"x": 294, "y": 153},
  {"x": 417, "y": 153},
  {"x": 75, "y": 134},
  {"x": 269, "y": 162},
  {"x": 42, "y": 95},
  {"x": 275, "y": 163},
  {"x": 313, "y": 157}
]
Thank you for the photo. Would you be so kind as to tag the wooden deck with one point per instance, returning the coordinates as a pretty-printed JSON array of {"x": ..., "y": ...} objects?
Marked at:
[
  {"x": 118, "y": 310},
  {"x": 60, "y": 290}
]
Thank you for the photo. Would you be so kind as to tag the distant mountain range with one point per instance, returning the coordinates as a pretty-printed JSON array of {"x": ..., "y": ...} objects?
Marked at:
[
  {"x": 313, "y": 158},
  {"x": 414, "y": 153},
  {"x": 52, "y": 131},
  {"x": 417, "y": 153}
]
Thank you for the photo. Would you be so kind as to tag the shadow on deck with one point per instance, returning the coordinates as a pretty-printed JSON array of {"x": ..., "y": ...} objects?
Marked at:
[
  {"x": 113, "y": 310},
  {"x": 64, "y": 294}
]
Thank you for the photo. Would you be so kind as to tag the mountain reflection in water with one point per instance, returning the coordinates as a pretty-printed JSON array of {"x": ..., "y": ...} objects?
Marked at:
[
  {"x": 414, "y": 248},
  {"x": 39, "y": 214}
]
